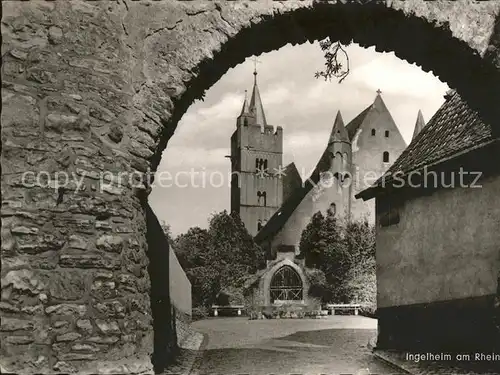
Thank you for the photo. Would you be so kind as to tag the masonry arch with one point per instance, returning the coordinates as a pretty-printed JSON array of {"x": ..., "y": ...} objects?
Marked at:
[
  {"x": 152, "y": 60},
  {"x": 295, "y": 270},
  {"x": 286, "y": 285}
]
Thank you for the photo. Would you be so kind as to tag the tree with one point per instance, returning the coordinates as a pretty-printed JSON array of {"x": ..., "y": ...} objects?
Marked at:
[
  {"x": 218, "y": 259},
  {"x": 309, "y": 245},
  {"x": 191, "y": 248},
  {"x": 345, "y": 254},
  {"x": 167, "y": 230}
]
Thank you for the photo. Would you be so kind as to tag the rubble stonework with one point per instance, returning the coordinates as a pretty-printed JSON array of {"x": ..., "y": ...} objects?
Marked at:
[{"x": 98, "y": 86}]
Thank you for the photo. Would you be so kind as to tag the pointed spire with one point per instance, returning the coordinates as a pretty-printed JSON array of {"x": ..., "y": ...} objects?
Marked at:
[
  {"x": 256, "y": 108},
  {"x": 378, "y": 103},
  {"x": 245, "y": 109},
  {"x": 419, "y": 125},
  {"x": 339, "y": 132}
]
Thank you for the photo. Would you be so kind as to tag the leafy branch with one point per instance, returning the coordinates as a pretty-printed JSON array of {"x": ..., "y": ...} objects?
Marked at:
[{"x": 334, "y": 54}]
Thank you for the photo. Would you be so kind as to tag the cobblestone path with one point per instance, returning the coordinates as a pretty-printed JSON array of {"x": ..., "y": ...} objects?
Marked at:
[{"x": 334, "y": 345}]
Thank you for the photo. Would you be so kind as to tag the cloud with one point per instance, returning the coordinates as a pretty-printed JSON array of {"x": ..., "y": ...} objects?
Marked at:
[{"x": 394, "y": 76}]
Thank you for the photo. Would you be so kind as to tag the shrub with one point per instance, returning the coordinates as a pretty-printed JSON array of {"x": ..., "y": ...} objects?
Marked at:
[{"x": 199, "y": 313}]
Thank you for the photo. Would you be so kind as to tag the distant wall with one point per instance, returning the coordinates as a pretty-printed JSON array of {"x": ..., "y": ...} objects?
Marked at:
[
  {"x": 317, "y": 199},
  {"x": 180, "y": 287},
  {"x": 170, "y": 294}
]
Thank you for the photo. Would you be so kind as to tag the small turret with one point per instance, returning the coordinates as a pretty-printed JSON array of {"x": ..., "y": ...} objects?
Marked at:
[
  {"x": 419, "y": 125},
  {"x": 339, "y": 132},
  {"x": 245, "y": 112}
]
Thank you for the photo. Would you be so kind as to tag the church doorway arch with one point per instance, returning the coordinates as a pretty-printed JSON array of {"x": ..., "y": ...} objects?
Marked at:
[{"x": 286, "y": 285}]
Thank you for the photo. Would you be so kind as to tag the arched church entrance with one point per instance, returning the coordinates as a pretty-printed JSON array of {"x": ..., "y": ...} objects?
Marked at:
[{"x": 286, "y": 285}]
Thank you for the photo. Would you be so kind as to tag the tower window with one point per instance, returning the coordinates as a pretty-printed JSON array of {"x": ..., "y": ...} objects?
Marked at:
[
  {"x": 261, "y": 198},
  {"x": 265, "y": 164},
  {"x": 373, "y": 131},
  {"x": 386, "y": 157},
  {"x": 245, "y": 122},
  {"x": 257, "y": 164},
  {"x": 387, "y": 133},
  {"x": 259, "y": 225}
]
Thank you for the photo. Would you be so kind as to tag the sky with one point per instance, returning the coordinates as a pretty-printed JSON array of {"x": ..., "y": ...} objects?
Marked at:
[{"x": 194, "y": 170}]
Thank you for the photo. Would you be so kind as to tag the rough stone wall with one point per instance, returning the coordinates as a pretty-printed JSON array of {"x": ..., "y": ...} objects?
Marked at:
[
  {"x": 182, "y": 326},
  {"x": 99, "y": 86},
  {"x": 74, "y": 277}
]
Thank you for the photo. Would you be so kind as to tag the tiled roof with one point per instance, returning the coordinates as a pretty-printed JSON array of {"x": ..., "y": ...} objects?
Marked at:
[
  {"x": 453, "y": 129},
  {"x": 354, "y": 125}
]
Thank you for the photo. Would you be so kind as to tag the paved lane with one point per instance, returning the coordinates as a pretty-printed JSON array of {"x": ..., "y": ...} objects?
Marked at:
[{"x": 335, "y": 345}]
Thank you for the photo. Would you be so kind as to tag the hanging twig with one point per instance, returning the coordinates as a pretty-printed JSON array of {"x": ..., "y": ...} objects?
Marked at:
[{"x": 334, "y": 68}]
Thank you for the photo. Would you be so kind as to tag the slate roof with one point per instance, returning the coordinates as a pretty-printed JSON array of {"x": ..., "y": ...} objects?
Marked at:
[
  {"x": 354, "y": 125},
  {"x": 255, "y": 106},
  {"x": 455, "y": 128},
  {"x": 291, "y": 180}
]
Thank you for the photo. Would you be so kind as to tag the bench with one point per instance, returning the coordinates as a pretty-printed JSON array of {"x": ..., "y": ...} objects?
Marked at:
[
  {"x": 216, "y": 308},
  {"x": 332, "y": 307}
]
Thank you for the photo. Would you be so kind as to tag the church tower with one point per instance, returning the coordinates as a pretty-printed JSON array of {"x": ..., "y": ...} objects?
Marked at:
[{"x": 256, "y": 157}]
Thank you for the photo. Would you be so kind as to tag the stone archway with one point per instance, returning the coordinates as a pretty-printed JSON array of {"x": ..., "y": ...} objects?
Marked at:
[
  {"x": 95, "y": 89},
  {"x": 286, "y": 285}
]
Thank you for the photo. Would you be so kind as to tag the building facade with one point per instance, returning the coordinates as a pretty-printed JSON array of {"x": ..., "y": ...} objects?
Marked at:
[{"x": 438, "y": 254}]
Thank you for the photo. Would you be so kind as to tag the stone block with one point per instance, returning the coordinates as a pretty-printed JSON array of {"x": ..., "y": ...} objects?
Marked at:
[
  {"x": 62, "y": 122},
  {"x": 70, "y": 336},
  {"x": 66, "y": 309},
  {"x": 110, "y": 243},
  {"x": 19, "y": 340},
  {"x": 108, "y": 327},
  {"x": 103, "y": 339},
  {"x": 94, "y": 260},
  {"x": 104, "y": 289},
  {"x": 85, "y": 348},
  {"x": 55, "y": 35},
  {"x": 67, "y": 285},
  {"x": 23, "y": 280},
  {"x": 77, "y": 242},
  {"x": 111, "y": 308},
  {"x": 13, "y": 324},
  {"x": 84, "y": 325}
]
